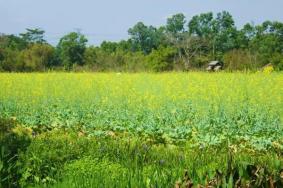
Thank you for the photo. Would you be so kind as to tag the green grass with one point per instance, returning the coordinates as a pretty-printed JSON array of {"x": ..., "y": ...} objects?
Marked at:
[{"x": 66, "y": 160}]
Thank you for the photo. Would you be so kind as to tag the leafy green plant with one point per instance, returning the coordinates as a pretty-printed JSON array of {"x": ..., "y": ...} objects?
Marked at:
[{"x": 47, "y": 154}]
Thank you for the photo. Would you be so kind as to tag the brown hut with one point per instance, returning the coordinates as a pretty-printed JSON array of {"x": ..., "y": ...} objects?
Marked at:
[{"x": 214, "y": 66}]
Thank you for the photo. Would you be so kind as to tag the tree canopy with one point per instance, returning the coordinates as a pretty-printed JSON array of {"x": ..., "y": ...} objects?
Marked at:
[
  {"x": 179, "y": 44},
  {"x": 71, "y": 49}
]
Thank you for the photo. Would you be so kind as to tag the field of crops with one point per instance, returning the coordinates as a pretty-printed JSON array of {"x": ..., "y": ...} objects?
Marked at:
[
  {"x": 243, "y": 111},
  {"x": 198, "y": 107}
]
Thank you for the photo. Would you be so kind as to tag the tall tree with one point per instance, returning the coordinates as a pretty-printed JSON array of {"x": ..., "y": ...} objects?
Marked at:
[
  {"x": 144, "y": 38},
  {"x": 176, "y": 23},
  {"x": 226, "y": 36},
  {"x": 245, "y": 35},
  {"x": 204, "y": 26},
  {"x": 220, "y": 31},
  {"x": 109, "y": 47},
  {"x": 13, "y": 42},
  {"x": 191, "y": 47},
  {"x": 34, "y": 36},
  {"x": 71, "y": 49}
]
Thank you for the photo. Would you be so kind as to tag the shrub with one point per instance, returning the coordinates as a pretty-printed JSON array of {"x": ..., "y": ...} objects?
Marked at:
[
  {"x": 241, "y": 60},
  {"x": 277, "y": 61},
  {"x": 161, "y": 59},
  {"x": 38, "y": 57},
  {"x": 14, "y": 140},
  {"x": 10, "y": 60}
]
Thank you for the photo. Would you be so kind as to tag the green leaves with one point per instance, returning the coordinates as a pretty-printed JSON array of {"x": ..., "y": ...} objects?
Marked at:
[
  {"x": 71, "y": 49},
  {"x": 33, "y": 36},
  {"x": 145, "y": 38},
  {"x": 176, "y": 23}
]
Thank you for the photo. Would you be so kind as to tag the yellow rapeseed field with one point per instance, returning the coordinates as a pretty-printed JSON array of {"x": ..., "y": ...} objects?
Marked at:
[
  {"x": 150, "y": 90},
  {"x": 177, "y": 104}
]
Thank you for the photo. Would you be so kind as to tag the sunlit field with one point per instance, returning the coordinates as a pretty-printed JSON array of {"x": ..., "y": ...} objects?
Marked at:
[{"x": 243, "y": 111}]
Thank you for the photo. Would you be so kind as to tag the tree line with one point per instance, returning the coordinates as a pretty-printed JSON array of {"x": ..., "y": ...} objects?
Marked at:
[{"x": 177, "y": 45}]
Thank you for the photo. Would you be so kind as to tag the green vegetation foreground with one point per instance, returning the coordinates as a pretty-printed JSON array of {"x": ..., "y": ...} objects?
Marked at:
[{"x": 141, "y": 130}]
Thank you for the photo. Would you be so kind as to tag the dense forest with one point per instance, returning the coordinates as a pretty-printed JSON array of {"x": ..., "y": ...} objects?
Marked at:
[{"x": 178, "y": 45}]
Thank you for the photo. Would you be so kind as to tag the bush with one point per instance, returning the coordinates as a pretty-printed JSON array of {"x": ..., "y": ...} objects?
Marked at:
[
  {"x": 14, "y": 140},
  {"x": 241, "y": 60},
  {"x": 277, "y": 61},
  {"x": 161, "y": 59},
  {"x": 10, "y": 60},
  {"x": 38, "y": 57}
]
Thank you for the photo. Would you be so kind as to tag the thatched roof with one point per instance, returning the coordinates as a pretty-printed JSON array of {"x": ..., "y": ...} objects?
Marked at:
[{"x": 214, "y": 63}]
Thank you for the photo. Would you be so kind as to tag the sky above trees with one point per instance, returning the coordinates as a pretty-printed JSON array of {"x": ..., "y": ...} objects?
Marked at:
[{"x": 111, "y": 19}]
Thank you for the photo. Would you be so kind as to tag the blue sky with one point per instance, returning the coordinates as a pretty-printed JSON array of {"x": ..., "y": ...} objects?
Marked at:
[{"x": 110, "y": 19}]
